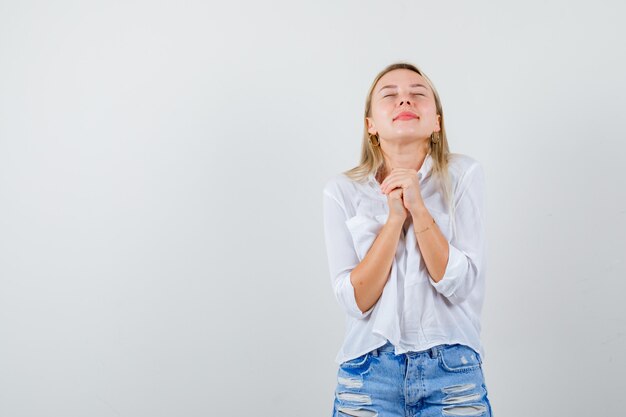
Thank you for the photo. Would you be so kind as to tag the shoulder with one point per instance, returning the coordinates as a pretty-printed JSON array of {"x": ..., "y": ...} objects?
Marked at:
[
  {"x": 465, "y": 172},
  {"x": 459, "y": 165},
  {"x": 341, "y": 187},
  {"x": 462, "y": 167}
]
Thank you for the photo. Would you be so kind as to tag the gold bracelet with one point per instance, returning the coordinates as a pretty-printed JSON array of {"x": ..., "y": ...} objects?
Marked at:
[{"x": 427, "y": 227}]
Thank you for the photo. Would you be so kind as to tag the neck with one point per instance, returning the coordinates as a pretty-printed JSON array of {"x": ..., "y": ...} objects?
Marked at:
[{"x": 410, "y": 155}]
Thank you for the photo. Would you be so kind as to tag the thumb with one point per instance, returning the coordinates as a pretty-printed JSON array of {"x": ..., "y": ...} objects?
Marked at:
[{"x": 396, "y": 194}]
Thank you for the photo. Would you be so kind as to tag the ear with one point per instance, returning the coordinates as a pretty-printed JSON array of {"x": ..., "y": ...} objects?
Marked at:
[
  {"x": 371, "y": 129},
  {"x": 438, "y": 126}
]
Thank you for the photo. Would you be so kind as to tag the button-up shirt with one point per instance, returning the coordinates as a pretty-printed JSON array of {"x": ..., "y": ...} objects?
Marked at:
[{"x": 413, "y": 312}]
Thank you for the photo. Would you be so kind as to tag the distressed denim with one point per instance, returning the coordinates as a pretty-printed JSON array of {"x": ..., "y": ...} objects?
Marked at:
[{"x": 445, "y": 380}]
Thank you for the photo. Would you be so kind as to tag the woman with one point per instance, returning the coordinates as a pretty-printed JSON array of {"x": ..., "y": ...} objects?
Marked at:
[{"x": 405, "y": 235}]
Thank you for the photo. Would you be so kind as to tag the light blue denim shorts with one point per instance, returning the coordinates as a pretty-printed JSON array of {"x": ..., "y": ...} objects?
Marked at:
[{"x": 445, "y": 380}]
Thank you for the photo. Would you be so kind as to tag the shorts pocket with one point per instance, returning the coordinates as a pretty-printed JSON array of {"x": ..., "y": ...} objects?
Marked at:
[
  {"x": 358, "y": 362},
  {"x": 459, "y": 358}
]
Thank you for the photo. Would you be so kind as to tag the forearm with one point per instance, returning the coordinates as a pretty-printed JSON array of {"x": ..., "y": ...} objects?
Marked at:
[
  {"x": 370, "y": 276},
  {"x": 432, "y": 244}
]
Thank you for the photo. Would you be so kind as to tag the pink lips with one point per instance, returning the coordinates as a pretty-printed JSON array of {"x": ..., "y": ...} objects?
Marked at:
[{"x": 405, "y": 115}]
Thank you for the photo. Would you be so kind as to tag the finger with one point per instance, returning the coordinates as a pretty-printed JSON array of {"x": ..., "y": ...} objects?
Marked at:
[
  {"x": 396, "y": 191},
  {"x": 387, "y": 178},
  {"x": 393, "y": 178},
  {"x": 396, "y": 194},
  {"x": 392, "y": 185},
  {"x": 399, "y": 180}
]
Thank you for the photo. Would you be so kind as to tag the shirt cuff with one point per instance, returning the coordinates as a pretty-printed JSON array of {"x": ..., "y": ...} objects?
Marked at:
[
  {"x": 456, "y": 269},
  {"x": 346, "y": 297}
]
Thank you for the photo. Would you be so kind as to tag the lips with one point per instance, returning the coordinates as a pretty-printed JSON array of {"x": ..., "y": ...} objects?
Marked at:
[{"x": 405, "y": 115}]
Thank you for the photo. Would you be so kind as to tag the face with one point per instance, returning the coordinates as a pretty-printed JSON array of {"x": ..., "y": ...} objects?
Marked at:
[{"x": 400, "y": 91}]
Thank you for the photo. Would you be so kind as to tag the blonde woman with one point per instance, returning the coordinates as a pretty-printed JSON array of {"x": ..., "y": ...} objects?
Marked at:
[{"x": 405, "y": 237}]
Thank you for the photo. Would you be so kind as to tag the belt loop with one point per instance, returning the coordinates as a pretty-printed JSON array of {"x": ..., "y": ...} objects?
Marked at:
[
  {"x": 375, "y": 352},
  {"x": 433, "y": 352}
]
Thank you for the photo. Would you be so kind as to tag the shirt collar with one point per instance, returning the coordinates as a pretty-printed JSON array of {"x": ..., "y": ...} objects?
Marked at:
[{"x": 426, "y": 167}]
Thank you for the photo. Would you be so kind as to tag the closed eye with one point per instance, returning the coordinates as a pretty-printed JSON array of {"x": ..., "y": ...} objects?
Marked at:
[{"x": 415, "y": 94}]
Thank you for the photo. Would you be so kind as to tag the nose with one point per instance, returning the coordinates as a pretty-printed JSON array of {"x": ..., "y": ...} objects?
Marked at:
[{"x": 405, "y": 97}]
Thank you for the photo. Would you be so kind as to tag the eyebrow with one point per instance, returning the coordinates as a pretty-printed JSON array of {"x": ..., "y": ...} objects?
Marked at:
[{"x": 395, "y": 86}]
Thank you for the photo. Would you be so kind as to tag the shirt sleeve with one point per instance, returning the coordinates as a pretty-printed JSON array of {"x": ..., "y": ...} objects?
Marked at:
[
  {"x": 466, "y": 260},
  {"x": 342, "y": 257}
]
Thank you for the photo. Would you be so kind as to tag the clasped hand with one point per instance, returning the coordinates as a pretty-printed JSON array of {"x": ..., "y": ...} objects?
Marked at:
[{"x": 403, "y": 192}]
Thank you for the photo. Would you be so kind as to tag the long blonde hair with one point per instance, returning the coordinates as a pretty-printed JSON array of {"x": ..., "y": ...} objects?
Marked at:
[{"x": 372, "y": 157}]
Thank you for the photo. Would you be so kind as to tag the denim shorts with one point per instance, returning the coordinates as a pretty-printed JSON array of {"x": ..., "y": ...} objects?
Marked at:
[{"x": 445, "y": 380}]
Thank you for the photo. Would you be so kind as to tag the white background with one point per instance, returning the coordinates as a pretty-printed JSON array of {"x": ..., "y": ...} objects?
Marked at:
[{"x": 161, "y": 174}]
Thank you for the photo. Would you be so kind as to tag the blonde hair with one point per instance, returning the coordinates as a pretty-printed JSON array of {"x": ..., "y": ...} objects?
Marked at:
[{"x": 372, "y": 157}]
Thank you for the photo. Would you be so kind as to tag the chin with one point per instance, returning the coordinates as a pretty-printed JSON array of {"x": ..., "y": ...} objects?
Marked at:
[{"x": 405, "y": 136}]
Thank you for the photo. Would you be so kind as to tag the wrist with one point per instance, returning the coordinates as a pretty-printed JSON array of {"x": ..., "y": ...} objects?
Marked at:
[
  {"x": 419, "y": 214},
  {"x": 395, "y": 222}
]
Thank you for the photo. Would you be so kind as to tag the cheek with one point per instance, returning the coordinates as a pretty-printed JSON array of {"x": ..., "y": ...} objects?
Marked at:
[
  {"x": 428, "y": 107},
  {"x": 429, "y": 112},
  {"x": 381, "y": 113}
]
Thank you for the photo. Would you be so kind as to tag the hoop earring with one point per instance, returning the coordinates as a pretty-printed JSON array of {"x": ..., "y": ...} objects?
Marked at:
[
  {"x": 374, "y": 140},
  {"x": 433, "y": 136}
]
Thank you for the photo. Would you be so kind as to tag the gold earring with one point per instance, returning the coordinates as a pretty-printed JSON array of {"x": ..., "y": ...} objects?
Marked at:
[
  {"x": 432, "y": 137},
  {"x": 376, "y": 138}
]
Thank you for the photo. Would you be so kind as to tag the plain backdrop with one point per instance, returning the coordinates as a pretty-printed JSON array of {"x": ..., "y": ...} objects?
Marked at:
[{"x": 161, "y": 174}]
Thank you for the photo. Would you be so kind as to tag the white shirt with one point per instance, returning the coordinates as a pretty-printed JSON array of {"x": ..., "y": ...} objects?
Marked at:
[{"x": 413, "y": 312}]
